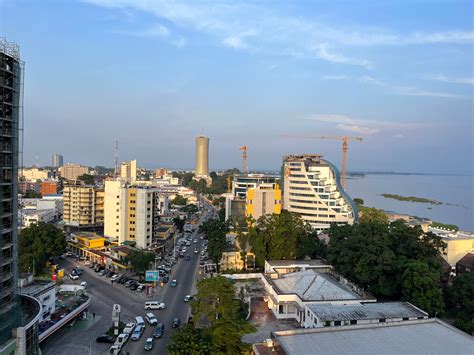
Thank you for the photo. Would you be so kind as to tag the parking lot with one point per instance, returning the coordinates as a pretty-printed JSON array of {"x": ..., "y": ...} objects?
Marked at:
[{"x": 80, "y": 338}]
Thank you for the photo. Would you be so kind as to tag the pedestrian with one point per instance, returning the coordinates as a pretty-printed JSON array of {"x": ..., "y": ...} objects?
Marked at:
[{"x": 93, "y": 315}]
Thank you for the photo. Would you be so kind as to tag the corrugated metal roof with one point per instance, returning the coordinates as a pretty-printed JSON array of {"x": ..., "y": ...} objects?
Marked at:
[{"x": 328, "y": 312}]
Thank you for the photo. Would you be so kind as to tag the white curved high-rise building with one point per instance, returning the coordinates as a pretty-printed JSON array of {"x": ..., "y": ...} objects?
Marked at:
[
  {"x": 202, "y": 157},
  {"x": 312, "y": 188}
]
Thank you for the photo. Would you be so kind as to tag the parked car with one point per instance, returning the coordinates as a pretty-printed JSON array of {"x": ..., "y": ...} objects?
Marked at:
[
  {"x": 129, "y": 327},
  {"x": 84, "y": 284},
  {"x": 129, "y": 283},
  {"x": 115, "y": 277},
  {"x": 176, "y": 323},
  {"x": 122, "y": 280},
  {"x": 88, "y": 263},
  {"x": 165, "y": 279},
  {"x": 115, "y": 349},
  {"x": 151, "y": 319},
  {"x": 109, "y": 273},
  {"x": 140, "y": 288},
  {"x": 102, "y": 272},
  {"x": 99, "y": 268},
  {"x": 149, "y": 344},
  {"x": 104, "y": 338},
  {"x": 137, "y": 333},
  {"x": 159, "y": 330},
  {"x": 134, "y": 286},
  {"x": 187, "y": 258},
  {"x": 73, "y": 276},
  {"x": 78, "y": 270},
  {"x": 196, "y": 250},
  {"x": 174, "y": 283},
  {"x": 121, "y": 339},
  {"x": 188, "y": 298}
]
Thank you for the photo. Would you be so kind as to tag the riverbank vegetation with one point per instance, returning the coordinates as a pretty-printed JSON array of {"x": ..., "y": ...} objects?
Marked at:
[{"x": 411, "y": 199}]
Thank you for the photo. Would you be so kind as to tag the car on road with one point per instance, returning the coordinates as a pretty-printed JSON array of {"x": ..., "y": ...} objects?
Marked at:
[
  {"x": 115, "y": 349},
  {"x": 104, "y": 338},
  {"x": 154, "y": 305},
  {"x": 121, "y": 339},
  {"x": 88, "y": 263},
  {"x": 151, "y": 319},
  {"x": 139, "y": 321},
  {"x": 129, "y": 327},
  {"x": 174, "y": 283},
  {"x": 84, "y": 284},
  {"x": 159, "y": 330},
  {"x": 149, "y": 344},
  {"x": 165, "y": 279},
  {"x": 73, "y": 277},
  {"x": 98, "y": 268},
  {"x": 137, "y": 333},
  {"x": 188, "y": 298},
  {"x": 196, "y": 250},
  {"x": 69, "y": 253},
  {"x": 187, "y": 258},
  {"x": 78, "y": 270},
  {"x": 195, "y": 241},
  {"x": 176, "y": 323}
]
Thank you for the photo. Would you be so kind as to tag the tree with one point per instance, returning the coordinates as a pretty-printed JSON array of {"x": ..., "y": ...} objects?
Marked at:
[
  {"x": 37, "y": 244},
  {"x": 141, "y": 260},
  {"x": 463, "y": 299},
  {"x": 369, "y": 215},
  {"x": 310, "y": 246},
  {"x": 179, "y": 223},
  {"x": 31, "y": 194},
  {"x": 276, "y": 237},
  {"x": 359, "y": 201},
  {"x": 421, "y": 287},
  {"x": 179, "y": 201},
  {"x": 87, "y": 178},
  {"x": 188, "y": 340},
  {"x": 215, "y": 231},
  {"x": 192, "y": 208}
]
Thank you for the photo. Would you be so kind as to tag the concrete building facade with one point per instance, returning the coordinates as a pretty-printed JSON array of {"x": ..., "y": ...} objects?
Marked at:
[
  {"x": 262, "y": 200},
  {"x": 83, "y": 206},
  {"x": 128, "y": 171},
  {"x": 312, "y": 189},
  {"x": 72, "y": 171},
  {"x": 34, "y": 174},
  {"x": 48, "y": 188},
  {"x": 57, "y": 160},
  {"x": 202, "y": 157}
]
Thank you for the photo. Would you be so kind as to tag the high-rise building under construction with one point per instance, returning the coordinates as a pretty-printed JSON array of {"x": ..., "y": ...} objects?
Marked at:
[{"x": 202, "y": 157}]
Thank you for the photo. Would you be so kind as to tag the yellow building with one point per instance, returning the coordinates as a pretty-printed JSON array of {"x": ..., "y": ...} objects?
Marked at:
[
  {"x": 131, "y": 213},
  {"x": 457, "y": 246},
  {"x": 234, "y": 259},
  {"x": 83, "y": 206},
  {"x": 34, "y": 174},
  {"x": 263, "y": 199},
  {"x": 72, "y": 171},
  {"x": 90, "y": 240}
]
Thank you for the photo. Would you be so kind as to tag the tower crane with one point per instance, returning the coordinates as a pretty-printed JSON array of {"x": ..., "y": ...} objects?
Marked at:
[
  {"x": 345, "y": 145},
  {"x": 244, "y": 159}
]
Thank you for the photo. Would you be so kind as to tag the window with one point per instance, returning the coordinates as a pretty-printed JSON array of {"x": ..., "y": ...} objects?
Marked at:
[
  {"x": 280, "y": 309},
  {"x": 353, "y": 322},
  {"x": 382, "y": 320},
  {"x": 405, "y": 318},
  {"x": 117, "y": 223},
  {"x": 337, "y": 323}
]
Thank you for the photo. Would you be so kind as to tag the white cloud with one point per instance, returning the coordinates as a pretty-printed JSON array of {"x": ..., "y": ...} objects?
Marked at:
[
  {"x": 323, "y": 53},
  {"x": 412, "y": 91},
  {"x": 180, "y": 42},
  {"x": 357, "y": 129},
  {"x": 155, "y": 31},
  {"x": 445, "y": 79},
  {"x": 237, "y": 41}
]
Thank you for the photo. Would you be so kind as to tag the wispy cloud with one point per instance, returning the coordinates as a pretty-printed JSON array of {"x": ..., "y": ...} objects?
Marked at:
[
  {"x": 278, "y": 32},
  {"x": 357, "y": 129},
  {"x": 446, "y": 79}
]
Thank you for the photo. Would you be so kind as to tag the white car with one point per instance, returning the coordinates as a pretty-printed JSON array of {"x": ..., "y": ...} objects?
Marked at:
[
  {"x": 115, "y": 277},
  {"x": 84, "y": 284},
  {"x": 129, "y": 327},
  {"x": 115, "y": 349},
  {"x": 151, "y": 319},
  {"x": 73, "y": 277}
]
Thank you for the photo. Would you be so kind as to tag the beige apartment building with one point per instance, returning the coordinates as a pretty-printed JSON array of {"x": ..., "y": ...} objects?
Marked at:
[
  {"x": 72, "y": 171},
  {"x": 128, "y": 171},
  {"x": 263, "y": 199},
  {"x": 131, "y": 213},
  {"x": 34, "y": 174},
  {"x": 83, "y": 206}
]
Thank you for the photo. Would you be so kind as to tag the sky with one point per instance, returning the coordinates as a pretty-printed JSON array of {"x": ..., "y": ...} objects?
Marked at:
[{"x": 266, "y": 74}]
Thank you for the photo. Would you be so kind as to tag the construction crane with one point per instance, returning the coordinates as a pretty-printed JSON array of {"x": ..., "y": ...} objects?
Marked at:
[
  {"x": 244, "y": 159},
  {"x": 345, "y": 145},
  {"x": 228, "y": 183}
]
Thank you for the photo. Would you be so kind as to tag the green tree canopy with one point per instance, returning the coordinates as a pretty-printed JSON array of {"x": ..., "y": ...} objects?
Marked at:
[
  {"x": 420, "y": 286},
  {"x": 179, "y": 201},
  {"x": 31, "y": 194},
  {"x": 215, "y": 231},
  {"x": 463, "y": 299},
  {"x": 358, "y": 201},
  {"x": 87, "y": 178},
  {"x": 375, "y": 255},
  {"x": 188, "y": 340},
  {"x": 369, "y": 215},
  {"x": 179, "y": 223},
  {"x": 191, "y": 208},
  {"x": 141, "y": 261},
  {"x": 38, "y": 243}
]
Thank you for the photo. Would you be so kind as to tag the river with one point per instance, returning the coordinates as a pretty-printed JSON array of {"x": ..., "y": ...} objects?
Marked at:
[{"x": 455, "y": 192}]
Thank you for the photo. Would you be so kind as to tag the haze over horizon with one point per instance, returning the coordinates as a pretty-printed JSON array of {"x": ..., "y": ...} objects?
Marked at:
[{"x": 155, "y": 74}]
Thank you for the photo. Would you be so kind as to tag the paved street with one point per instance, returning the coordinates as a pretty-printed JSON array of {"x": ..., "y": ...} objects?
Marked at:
[{"x": 80, "y": 339}]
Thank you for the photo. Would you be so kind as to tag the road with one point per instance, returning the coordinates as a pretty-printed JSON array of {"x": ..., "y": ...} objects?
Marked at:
[{"x": 80, "y": 339}]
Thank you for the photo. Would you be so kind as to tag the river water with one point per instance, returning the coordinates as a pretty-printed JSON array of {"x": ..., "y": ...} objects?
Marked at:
[{"x": 455, "y": 192}]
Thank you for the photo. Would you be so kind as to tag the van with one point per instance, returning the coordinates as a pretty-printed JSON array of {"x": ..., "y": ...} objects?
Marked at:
[
  {"x": 154, "y": 305},
  {"x": 140, "y": 321}
]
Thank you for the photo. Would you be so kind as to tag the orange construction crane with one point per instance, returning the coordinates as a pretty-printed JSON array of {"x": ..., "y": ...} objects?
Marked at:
[
  {"x": 228, "y": 183},
  {"x": 345, "y": 146},
  {"x": 244, "y": 159}
]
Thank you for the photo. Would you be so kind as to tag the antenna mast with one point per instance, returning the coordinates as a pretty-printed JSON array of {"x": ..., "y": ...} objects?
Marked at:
[{"x": 116, "y": 172}]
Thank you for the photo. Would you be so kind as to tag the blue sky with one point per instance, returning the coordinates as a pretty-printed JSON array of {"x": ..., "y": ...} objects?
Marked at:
[{"x": 154, "y": 74}]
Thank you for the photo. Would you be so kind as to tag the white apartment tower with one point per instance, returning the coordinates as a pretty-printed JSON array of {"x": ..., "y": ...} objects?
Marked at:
[{"x": 312, "y": 188}]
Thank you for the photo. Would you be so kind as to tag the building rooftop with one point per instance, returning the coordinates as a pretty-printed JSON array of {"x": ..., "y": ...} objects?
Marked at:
[
  {"x": 283, "y": 263},
  {"x": 28, "y": 212},
  {"x": 467, "y": 260},
  {"x": 328, "y": 312},
  {"x": 37, "y": 287},
  {"x": 310, "y": 285},
  {"x": 88, "y": 235},
  {"x": 162, "y": 229},
  {"x": 427, "y": 336}
]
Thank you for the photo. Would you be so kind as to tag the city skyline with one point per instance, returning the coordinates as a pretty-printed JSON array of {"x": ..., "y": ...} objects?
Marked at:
[{"x": 155, "y": 75}]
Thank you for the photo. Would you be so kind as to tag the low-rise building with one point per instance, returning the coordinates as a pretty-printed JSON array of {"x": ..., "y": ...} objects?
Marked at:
[
  {"x": 72, "y": 171},
  {"x": 465, "y": 264},
  {"x": 43, "y": 291},
  {"x": 31, "y": 216},
  {"x": 458, "y": 244},
  {"x": 34, "y": 174},
  {"x": 48, "y": 188},
  {"x": 234, "y": 257}
]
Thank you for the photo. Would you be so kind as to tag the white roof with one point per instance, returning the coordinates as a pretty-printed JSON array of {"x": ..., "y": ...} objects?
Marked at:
[
  {"x": 429, "y": 336},
  {"x": 329, "y": 312},
  {"x": 310, "y": 285}
]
